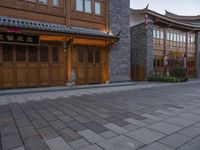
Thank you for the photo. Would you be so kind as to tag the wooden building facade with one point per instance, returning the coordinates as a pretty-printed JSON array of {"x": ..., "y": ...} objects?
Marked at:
[
  {"x": 52, "y": 42},
  {"x": 168, "y": 42}
]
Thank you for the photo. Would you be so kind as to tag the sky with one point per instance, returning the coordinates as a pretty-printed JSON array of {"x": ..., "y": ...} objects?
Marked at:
[{"x": 179, "y": 7}]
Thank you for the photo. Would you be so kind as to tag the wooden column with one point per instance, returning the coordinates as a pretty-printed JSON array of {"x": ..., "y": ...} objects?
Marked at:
[{"x": 186, "y": 46}]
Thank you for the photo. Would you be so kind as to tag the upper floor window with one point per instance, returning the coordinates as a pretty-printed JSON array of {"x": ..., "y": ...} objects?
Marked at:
[
  {"x": 43, "y": 1},
  {"x": 79, "y": 5},
  {"x": 55, "y": 2},
  {"x": 88, "y": 6},
  {"x": 97, "y": 8}
]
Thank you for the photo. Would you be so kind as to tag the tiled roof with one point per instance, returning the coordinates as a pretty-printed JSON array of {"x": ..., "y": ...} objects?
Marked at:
[{"x": 44, "y": 26}]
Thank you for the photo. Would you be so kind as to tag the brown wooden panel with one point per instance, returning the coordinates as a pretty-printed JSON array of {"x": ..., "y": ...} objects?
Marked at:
[
  {"x": 44, "y": 75},
  {"x": 8, "y": 76},
  {"x": 21, "y": 75},
  {"x": 34, "y": 75}
]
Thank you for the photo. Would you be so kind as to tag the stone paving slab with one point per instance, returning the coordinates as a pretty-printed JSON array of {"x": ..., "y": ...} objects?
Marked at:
[
  {"x": 108, "y": 119},
  {"x": 58, "y": 144},
  {"x": 120, "y": 143},
  {"x": 90, "y": 136},
  {"x": 156, "y": 146},
  {"x": 115, "y": 128},
  {"x": 145, "y": 136},
  {"x": 175, "y": 140},
  {"x": 165, "y": 128}
]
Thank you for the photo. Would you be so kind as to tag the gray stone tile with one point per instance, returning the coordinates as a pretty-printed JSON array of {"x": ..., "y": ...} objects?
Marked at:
[
  {"x": 19, "y": 148},
  {"x": 190, "y": 116},
  {"x": 47, "y": 133},
  {"x": 108, "y": 134},
  {"x": 39, "y": 124},
  {"x": 57, "y": 124},
  {"x": 78, "y": 144},
  {"x": 190, "y": 132},
  {"x": 115, "y": 128},
  {"x": 23, "y": 123},
  {"x": 156, "y": 146},
  {"x": 76, "y": 126},
  {"x": 27, "y": 131},
  {"x": 92, "y": 147},
  {"x": 35, "y": 143},
  {"x": 175, "y": 140},
  {"x": 135, "y": 122},
  {"x": 65, "y": 118},
  {"x": 120, "y": 143},
  {"x": 58, "y": 144},
  {"x": 179, "y": 121},
  {"x": 145, "y": 135},
  {"x": 165, "y": 128},
  {"x": 68, "y": 134},
  {"x": 130, "y": 127},
  {"x": 11, "y": 142},
  {"x": 8, "y": 130},
  {"x": 195, "y": 142},
  {"x": 90, "y": 136},
  {"x": 152, "y": 117},
  {"x": 197, "y": 125},
  {"x": 188, "y": 147},
  {"x": 81, "y": 119},
  {"x": 97, "y": 128},
  {"x": 165, "y": 112}
]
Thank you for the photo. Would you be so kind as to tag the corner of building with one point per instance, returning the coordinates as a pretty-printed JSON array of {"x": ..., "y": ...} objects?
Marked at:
[{"x": 119, "y": 57}]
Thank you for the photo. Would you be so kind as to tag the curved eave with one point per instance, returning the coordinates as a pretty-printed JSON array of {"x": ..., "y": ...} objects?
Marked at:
[
  {"x": 179, "y": 17},
  {"x": 165, "y": 19},
  {"x": 55, "y": 28}
]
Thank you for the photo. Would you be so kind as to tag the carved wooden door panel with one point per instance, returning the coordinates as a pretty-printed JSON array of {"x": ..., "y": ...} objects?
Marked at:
[
  {"x": 7, "y": 65},
  {"x": 21, "y": 66},
  {"x": 80, "y": 67},
  {"x": 44, "y": 66},
  {"x": 34, "y": 71}
]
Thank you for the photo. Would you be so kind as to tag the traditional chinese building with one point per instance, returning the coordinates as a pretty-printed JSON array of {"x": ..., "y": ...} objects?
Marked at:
[
  {"x": 52, "y": 42},
  {"x": 160, "y": 43}
]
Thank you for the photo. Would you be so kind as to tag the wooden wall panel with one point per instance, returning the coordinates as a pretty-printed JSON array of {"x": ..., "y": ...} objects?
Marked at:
[{"x": 31, "y": 15}]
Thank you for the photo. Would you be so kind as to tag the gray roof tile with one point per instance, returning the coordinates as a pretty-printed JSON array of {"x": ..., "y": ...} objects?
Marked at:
[{"x": 44, "y": 26}]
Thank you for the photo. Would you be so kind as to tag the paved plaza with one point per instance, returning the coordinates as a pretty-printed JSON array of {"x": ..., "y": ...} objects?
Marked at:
[{"x": 137, "y": 117}]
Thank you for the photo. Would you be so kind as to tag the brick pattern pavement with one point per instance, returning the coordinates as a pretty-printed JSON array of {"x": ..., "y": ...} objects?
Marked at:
[{"x": 163, "y": 118}]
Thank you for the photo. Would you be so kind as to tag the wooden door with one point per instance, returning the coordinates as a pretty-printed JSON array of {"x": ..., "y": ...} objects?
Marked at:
[
  {"x": 44, "y": 66},
  {"x": 88, "y": 65},
  {"x": 21, "y": 68},
  {"x": 54, "y": 65},
  {"x": 7, "y": 66},
  {"x": 33, "y": 66}
]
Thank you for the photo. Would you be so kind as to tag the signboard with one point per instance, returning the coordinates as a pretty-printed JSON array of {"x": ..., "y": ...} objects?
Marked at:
[
  {"x": 176, "y": 54},
  {"x": 11, "y": 38}
]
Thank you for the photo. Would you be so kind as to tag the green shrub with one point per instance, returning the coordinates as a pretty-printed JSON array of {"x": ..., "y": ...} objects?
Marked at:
[
  {"x": 162, "y": 79},
  {"x": 179, "y": 73}
]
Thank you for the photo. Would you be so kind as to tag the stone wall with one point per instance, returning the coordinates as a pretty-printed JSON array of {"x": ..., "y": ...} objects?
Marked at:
[
  {"x": 142, "y": 47},
  {"x": 198, "y": 55},
  {"x": 120, "y": 53}
]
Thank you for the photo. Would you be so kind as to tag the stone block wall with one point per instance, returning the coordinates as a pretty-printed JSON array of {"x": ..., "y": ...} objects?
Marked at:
[
  {"x": 142, "y": 46},
  {"x": 119, "y": 57}
]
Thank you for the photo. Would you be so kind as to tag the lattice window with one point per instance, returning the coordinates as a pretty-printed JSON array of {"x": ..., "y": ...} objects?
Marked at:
[
  {"x": 7, "y": 53},
  {"x": 55, "y": 54},
  {"x": 97, "y": 56},
  {"x": 33, "y": 54},
  {"x": 44, "y": 54},
  {"x": 80, "y": 55},
  {"x": 20, "y": 53},
  {"x": 90, "y": 56}
]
